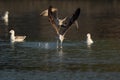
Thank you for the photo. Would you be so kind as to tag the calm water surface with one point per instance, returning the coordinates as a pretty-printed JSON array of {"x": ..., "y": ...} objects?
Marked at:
[{"x": 38, "y": 59}]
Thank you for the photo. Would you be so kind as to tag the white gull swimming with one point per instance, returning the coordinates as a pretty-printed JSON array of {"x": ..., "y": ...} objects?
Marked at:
[{"x": 14, "y": 38}]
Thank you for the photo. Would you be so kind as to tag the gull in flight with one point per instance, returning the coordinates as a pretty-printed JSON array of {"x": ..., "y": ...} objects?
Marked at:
[{"x": 61, "y": 26}]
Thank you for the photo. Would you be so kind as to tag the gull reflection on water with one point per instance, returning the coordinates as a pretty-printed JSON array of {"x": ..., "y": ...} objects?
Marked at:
[
  {"x": 12, "y": 45},
  {"x": 89, "y": 46},
  {"x": 60, "y": 52},
  {"x": 61, "y": 58}
]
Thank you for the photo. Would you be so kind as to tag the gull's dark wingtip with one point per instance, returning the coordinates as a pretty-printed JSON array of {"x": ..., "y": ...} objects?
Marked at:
[{"x": 78, "y": 11}]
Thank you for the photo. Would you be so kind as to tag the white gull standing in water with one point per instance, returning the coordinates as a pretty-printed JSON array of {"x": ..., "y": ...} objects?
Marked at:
[
  {"x": 14, "y": 38},
  {"x": 89, "y": 40}
]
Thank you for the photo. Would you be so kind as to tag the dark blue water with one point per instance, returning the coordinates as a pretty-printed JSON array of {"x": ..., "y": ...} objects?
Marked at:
[{"x": 37, "y": 58}]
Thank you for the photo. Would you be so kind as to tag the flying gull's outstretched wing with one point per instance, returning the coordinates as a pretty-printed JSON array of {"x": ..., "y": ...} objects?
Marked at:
[
  {"x": 69, "y": 21},
  {"x": 53, "y": 19}
]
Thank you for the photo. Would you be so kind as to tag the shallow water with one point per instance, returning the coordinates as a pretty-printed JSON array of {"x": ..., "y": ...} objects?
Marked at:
[
  {"x": 42, "y": 60},
  {"x": 38, "y": 58}
]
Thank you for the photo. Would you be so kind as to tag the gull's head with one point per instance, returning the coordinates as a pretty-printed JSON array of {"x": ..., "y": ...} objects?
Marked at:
[
  {"x": 7, "y": 12},
  {"x": 61, "y": 20},
  {"x": 88, "y": 35},
  {"x": 61, "y": 37},
  {"x": 12, "y": 31}
]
